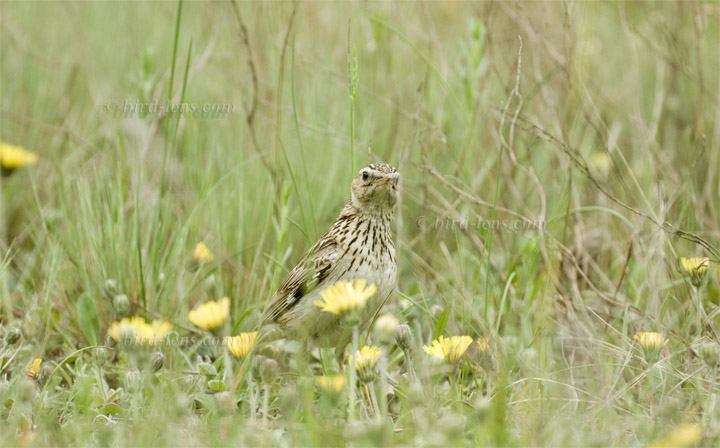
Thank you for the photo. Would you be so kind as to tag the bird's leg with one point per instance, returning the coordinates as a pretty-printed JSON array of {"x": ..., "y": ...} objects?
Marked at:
[{"x": 340, "y": 358}]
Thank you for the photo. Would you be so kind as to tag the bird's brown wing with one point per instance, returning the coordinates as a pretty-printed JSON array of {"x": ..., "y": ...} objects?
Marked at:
[{"x": 310, "y": 272}]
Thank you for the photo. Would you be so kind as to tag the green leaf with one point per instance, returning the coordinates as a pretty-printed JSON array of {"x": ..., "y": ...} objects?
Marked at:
[
  {"x": 88, "y": 319},
  {"x": 111, "y": 409},
  {"x": 442, "y": 321},
  {"x": 217, "y": 385}
]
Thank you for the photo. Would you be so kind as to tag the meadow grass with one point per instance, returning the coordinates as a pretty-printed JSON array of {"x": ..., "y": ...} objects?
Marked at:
[{"x": 557, "y": 161}]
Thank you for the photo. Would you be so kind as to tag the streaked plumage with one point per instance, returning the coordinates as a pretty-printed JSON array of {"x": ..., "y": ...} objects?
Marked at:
[{"x": 358, "y": 245}]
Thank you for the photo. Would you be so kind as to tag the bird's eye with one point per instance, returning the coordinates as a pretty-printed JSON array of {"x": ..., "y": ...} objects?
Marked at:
[{"x": 365, "y": 175}]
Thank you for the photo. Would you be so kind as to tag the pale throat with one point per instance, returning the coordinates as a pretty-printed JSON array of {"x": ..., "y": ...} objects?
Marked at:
[{"x": 380, "y": 211}]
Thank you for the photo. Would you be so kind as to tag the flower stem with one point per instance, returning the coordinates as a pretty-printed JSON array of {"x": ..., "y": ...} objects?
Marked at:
[
  {"x": 352, "y": 374},
  {"x": 699, "y": 311},
  {"x": 253, "y": 401},
  {"x": 382, "y": 403},
  {"x": 375, "y": 403},
  {"x": 266, "y": 400}
]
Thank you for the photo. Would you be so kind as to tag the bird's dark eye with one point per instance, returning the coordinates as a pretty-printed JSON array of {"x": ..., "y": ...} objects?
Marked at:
[{"x": 365, "y": 175}]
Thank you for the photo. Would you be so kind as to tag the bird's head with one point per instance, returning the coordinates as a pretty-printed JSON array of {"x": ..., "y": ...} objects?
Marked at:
[{"x": 376, "y": 187}]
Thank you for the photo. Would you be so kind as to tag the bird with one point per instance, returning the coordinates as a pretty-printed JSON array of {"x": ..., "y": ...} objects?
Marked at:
[{"x": 358, "y": 245}]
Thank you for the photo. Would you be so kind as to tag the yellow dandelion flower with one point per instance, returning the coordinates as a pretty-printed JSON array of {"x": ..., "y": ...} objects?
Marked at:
[
  {"x": 127, "y": 328},
  {"x": 160, "y": 328},
  {"x": 682, "y": 436},
  {"x": 202, "y": 254},
  {"x": 136, "y": 330},
  {"x": 331, "y": 384},
  {"x": 365, "y": 361},
  {"x": 696, "y": 267},
  {"x": 210, "y": 315},
  {"x": 601, "y": 161},
  {"x": 483, "y": 344},
  {"x": 449, "y": 349},
  {"x": 651, "y": 340},
  {"x": 651, "y": 343},
  {"x": 32, "y": 369},
  {"x": 13, "y": 157},
  {"x": 345, "y": 298},
  {"x": 241, "y": 345}
]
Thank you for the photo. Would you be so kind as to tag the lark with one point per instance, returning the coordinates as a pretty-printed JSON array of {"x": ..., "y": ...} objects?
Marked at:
[{"x": 358, "y": 245}]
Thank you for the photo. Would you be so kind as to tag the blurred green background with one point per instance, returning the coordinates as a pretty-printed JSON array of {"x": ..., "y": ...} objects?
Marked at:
[{"x": 598, "y": 119}]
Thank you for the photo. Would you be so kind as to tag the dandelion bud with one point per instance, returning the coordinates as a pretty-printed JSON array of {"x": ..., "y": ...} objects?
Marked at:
[
  {"x": 404, "y": 337},
  {"x": 710, "y": 353},
  {"x": 210, "y": 283},
  {"x": 156, "y": 361},
  {"x": 121, "y": 304},
  {"x": 110, "y": 289},
  {"x": 101, "y": 356},
  {"x": 12, "y": 336},
  {"x": 436, "y": 310},
  {"x": 416, "y": 394},
  {"x": 482, "y": 407},
  {"x": 225, "y": 402},
  {"x": 387, "y": 323},
  {"x": 268, "y": 370},
  {"x": 385, "y": 326}
]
